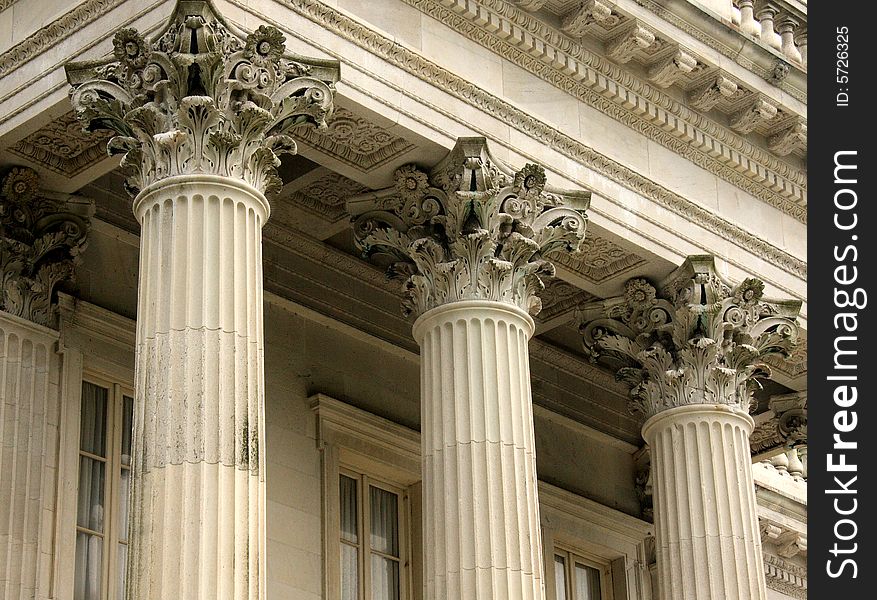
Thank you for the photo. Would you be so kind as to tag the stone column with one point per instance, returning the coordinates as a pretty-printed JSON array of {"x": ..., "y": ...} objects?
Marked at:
[
  {"x": 201, "y": 114},
  {"x": 693, "y": 354},
  {"x": 471, "y": 241},
  {"x": 41, "y": 236}
]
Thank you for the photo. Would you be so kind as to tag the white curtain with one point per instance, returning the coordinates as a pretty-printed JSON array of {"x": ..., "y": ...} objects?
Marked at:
[
  {"x": 90, "y": 507},
  {"x": 384, "y": 539},
  {"x": 559, "y": 577},
  {"x": 587, "y": 583},
  {"x": 349, "y": 540}
]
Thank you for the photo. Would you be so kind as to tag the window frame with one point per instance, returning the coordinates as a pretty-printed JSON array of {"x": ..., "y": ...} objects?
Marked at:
[
  {"x": 353, "y": 441},
  {"x": 573, "y": 556},
  {"x": 364, "y": 483},
  {"x": 116, "y": 393}
]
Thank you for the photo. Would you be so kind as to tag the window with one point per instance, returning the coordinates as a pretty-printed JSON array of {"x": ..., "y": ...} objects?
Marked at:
[
  {"x": 577, "y": 578},
  {"x": 102, "y": 503},
  {"x": 371, "y": 548},
  {"x": 371, "y": 504}
]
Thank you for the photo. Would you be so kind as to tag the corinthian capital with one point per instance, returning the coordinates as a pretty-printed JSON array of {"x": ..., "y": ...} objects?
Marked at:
[
  {"x": 201, "y": 98},
  {"x": 697, "y": 340},
  {"x": 41, "y": 237},
  {"x": 470, "y": 229}
]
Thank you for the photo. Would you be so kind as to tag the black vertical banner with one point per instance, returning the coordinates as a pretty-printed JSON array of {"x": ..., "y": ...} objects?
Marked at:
[{"x": 842, "y": 253}]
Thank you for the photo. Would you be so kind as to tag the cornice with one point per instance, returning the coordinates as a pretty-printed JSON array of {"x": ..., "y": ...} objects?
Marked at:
[
  {"x": 785, "y": 577},
  {"x": 4, "y": 4},
  {"x": 413, "y": 63},
  {"x": 54, "y": 32},
  {"x": 691, "y": 135},
  {"x": 540, "y": 49},
  {"x": 717, "y": 45}
]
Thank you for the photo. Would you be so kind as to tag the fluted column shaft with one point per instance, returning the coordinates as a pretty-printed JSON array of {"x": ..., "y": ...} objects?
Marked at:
[
  {"x": 706, "y": 525},
  {"x": 29, "y": 417},
  {"x": 197, "y": 503},
  {"x": 480, "y": 511}
]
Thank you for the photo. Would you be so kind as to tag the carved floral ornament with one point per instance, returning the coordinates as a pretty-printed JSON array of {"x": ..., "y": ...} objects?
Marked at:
[
  {"x": 700, "y": 340},
  {"x": 469, "y": 229},
  {"x": 41, "y": 239},
  {"x": 199, "y": 98}
]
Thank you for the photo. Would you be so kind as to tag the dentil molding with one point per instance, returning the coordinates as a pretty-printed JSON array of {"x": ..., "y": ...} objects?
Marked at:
[
  {"x": 537, "y": 47},
  {"x": 443, "y": 79}
]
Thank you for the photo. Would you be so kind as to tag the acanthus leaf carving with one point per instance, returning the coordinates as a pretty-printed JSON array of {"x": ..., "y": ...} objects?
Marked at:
[
  {"x": 668, "y": 71},
  {"x": 41, "y": 239},
  {"x": 589, "y": 12},
  {"x": 750, "y": 117},
  {"x": 699, "y": 340},
  {"x": 199, "y": 98},
  {"x": 623, "y": 47},
  {"x": 470, "y": 229},
  {"x": 706, "y": 97}
]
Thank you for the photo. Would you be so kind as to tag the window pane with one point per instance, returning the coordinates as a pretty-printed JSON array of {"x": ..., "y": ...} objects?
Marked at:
[
  {"x": 385, "y": 578},
  {"x": 349, "y": 526},
  {"x": 384, "y": 521},
  {"x": 560, "y": 577},
  {"x": 122, "y": 568},
  {"x": 89, "y": 549},
  {"x": 587, "y": 583},
  {"x": 349, "y": 573},
  {"x": 127, "y": 429},
  {"x": 90, "y": 508},
  {"x": 124, "y": 484},
  {"x": 93, "y": 420}
]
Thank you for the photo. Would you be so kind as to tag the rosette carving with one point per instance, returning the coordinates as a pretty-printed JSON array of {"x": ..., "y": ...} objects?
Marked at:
[
  {"x": 700, "y": 340},
  {"x": 199, "y": 98},
  {"x": 41, "y": 239},
  {"x": 469, "y": 229}
]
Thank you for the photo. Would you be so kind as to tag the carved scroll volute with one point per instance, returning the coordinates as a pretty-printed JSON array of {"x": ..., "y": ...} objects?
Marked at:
[
  {"x": 470, "y": 229},
  {"x": 201, "y": 98},
  {"x": 700, "y": 340},
  {"x": 42, "y": 236}
]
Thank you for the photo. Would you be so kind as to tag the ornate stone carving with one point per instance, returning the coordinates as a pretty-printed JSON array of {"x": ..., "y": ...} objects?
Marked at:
[
  {"x": 530, "y": 5},
  {"x": 780, "y": 70},
  {"x": 783, "y": 426},
  {"x": 792, "y": 366},
  {"x": 199, "y": 98},
  {"x": 326, "y": 196},
  {"x": 750, "y": 117},
  {"x": 63, "y": 147},
  {"x": 470, "y": 229},
  {"x": 785, "y": 577},
  {"x": 787, "y": 541},
  {"x": 706, "y": 97},
  {"x": 577, "y": 21},
  {"x": 560, "y": 297},
  {"x": 669, "y": 70},
  {"x": 622, "y": 48},
  {"x": 789, "y": 139},
  {"x": 356, "y": 141},
  {"x": 700, "y": 340},
  {"x": 598, "y": 82},
  {"x": 600, "y": 259},
  {"x": 41, "y": 239},
  {"x": 466, "y": 91}
]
